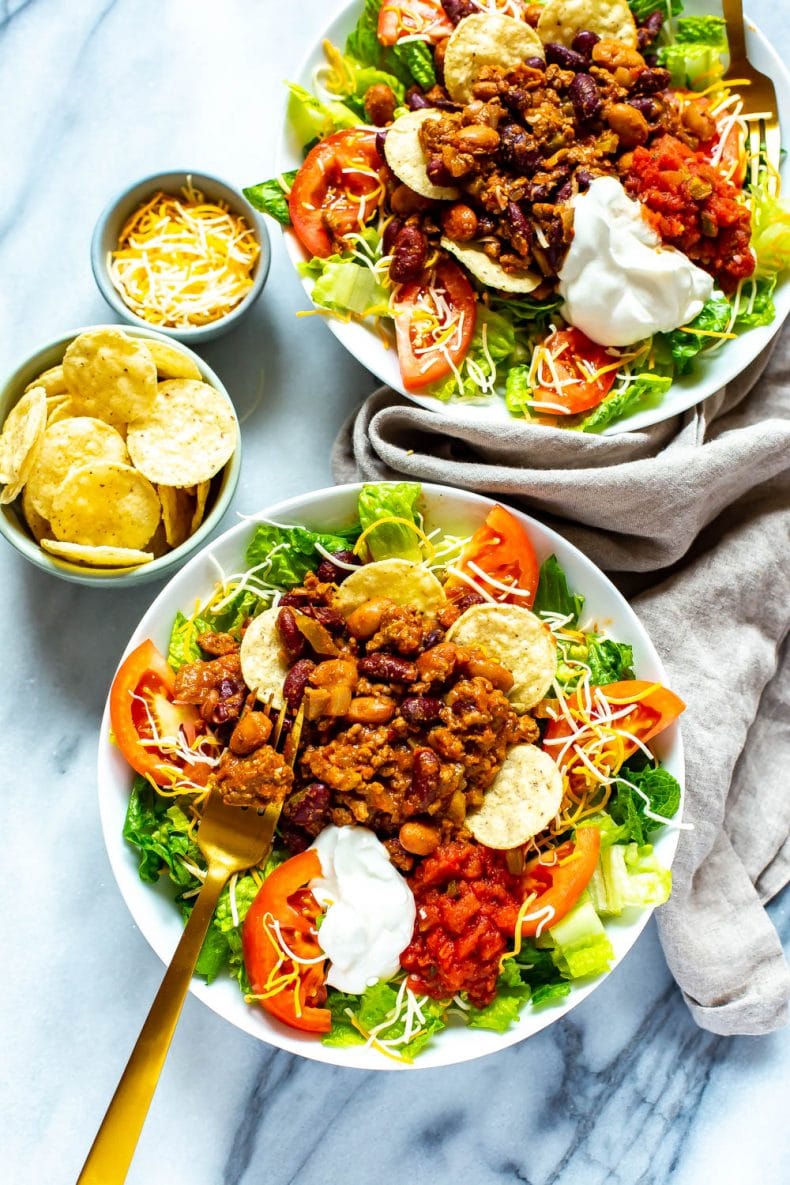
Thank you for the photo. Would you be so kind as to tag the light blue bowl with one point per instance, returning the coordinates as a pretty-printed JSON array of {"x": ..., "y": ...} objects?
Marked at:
[
  {"x": 114, "y": 216},
  {"x": 14, "y": 528}
]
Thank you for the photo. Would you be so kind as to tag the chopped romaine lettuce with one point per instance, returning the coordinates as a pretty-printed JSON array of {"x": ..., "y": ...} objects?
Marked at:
[
  {"x": 609, "y": 661},
  {"x": 685, "y": 344},
  {"x": 290, "y": 551},
  {"x": 350, "y": 79},
  {"x": 628, "y": 874},
  {"x": 271, "y": 197},
  {"x": 493, "y": 343},
  {"x": 410, "y": 61},
  {"x": 642, "y": 9},
  {"x": 345, "y": 286},
  {"x": 310, "y": 118},
  {"x": 756, "y": 306},
  {"x": 702, "y": 30},
  {"x": 363, "y": 44},
  {"x": 581, "y": 946},
  {"x": 647, "y": 390},
  {"x": 416, "y": 57},
  {"x": 391, "y": 500},
  {"x": 353, "y": 1018},
  {"x": 553, "y": 594},
  {"x": 770, "y": 230},
  {"x": 693, "y": 64},
  {"x": 656, "y": 791},
  {"x": 162, "y": 833},
  {"x": 518, "y": 392},
  {"x": 183, "y": 647},
  {"x": 512, "y": 993}
]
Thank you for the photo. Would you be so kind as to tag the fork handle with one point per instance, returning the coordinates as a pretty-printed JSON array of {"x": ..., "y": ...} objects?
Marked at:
[
  {"x": 112, "y": 1151},
  {"x": 733, "y": 15}
]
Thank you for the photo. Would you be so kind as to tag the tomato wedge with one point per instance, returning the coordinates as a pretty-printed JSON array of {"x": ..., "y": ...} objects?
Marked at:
[
  {"x": 425, "y": 19},
  {"x": 654, "y": 708},
  {"x": 337, "y": 190},
  {"x": 560, "y": 884},
  {"x": 503, "y": 550},
  {"x": 434, "y": 324},
  {"x": 142, "y": 709},
  {"x": 573, "y": 373},
  {"x": 280, "y": 923}
]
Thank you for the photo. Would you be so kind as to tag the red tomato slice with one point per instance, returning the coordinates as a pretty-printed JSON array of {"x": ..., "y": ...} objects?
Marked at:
[
  {"x": 409, "y": 18},
  {"x": 654, "y": 709},
  {"x": 732, "y": 162},
  {"x": 337, "y": 190},
  {"x": 284, "y": 915},
  {"x": 141, "y": 706},
  {"x": 503, "y": 550},
  {"x": 560, "y": 883},
  {"x": 573, "y": 381},
  {"x": 434, "y": 324}
]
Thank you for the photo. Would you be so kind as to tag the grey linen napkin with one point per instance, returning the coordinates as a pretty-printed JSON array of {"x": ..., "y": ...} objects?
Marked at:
[{"x": 691, "y": 518}]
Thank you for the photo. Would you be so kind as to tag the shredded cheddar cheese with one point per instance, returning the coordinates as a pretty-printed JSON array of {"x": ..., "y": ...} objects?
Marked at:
[{"x": 182, "y": 260}]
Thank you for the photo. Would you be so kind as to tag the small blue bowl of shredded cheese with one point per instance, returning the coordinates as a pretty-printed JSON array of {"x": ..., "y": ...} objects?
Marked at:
[{"x": 182, "y": 253}]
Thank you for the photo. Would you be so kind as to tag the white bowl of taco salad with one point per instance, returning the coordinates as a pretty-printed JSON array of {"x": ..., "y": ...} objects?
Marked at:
[
  {"x": 548, "y": 210},
  {"x": 484, "y": 799}
]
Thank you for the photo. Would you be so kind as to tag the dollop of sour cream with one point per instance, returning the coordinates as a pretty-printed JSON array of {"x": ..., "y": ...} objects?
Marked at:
[
  {"x": 619, "y": 283},
  {"x": 370, "y": 909}
]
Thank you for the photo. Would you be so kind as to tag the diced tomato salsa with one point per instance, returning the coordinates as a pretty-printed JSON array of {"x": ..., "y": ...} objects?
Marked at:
[{"x": 694, "y": 208}]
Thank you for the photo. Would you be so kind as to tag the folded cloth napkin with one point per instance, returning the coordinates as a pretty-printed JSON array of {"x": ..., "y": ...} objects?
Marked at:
[{"x": 691, "y": 518}]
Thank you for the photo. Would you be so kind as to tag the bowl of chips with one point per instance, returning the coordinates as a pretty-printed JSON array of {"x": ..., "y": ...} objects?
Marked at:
[
  {"x": 182, "y": 253},
  {"x": 119, "y": 454}
]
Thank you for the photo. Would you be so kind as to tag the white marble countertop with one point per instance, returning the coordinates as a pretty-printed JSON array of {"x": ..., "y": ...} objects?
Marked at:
[{"x": 626, "y": 1089}]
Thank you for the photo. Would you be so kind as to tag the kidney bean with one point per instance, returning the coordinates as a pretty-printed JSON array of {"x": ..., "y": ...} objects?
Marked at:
[
  {"x": 309, "y": 808},
  {"x": 391, "y": 232},
  {"x": 516, "y": 150},
  {"x": 388, "y": 667},
  {"x": 421, "y": 709},
  {"x": 329, "y": 572},
  {"x": 517, "y": 219},
  {"x": 330, "y": 619},
  {"x": 292, "y": 640},
  {"x": 564, "y": 192},
  {"x": 380, "y": 141},
  {"x": 409, "y": 255},
  {"x": 433, "y": 638},
  {"x": 583, "y": 179},
  {"x": 416, "y": 100},
  {"x": 644, "y": 106},
  {"x": 425, "y": 772},
  {"x": 650, "y": 28},
  {"x": 456, "y": 10},
  {"x": 438, "y": 172},
  {"x": 535, "y": 63},
  {"x": 650, "y": 82},
  {"x": 584, "y": 41},
  {"x": 566, "y": 59},
  {"x": 296, "y": 682},
  {"x": 585, "y": 96}
]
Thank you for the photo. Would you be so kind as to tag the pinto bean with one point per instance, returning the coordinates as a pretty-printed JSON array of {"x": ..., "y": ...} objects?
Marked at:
[
  {"x": 252, "y": 731},
  {"x": 477, "y": 138},
  {"x": 380, "y": 104},
  {"x": 459, "y": 222},
  {"x": 629, "y": 124},
  {"x": 370, "y": 709},
  {"x": 409, "y": 255},
  {"x": 439, "y": 663},
  {"x": 486, "y": 668},
  {"x": 295, "y": 682},
  {"x": 335, "y": 671},
  {"x": 532, "y": 14},
  {"x": 419, "y": 838},
  {"x": 388, "y": 667},
  {"x": 366, "y": 618},
  {"x": 405, "y": 201}
]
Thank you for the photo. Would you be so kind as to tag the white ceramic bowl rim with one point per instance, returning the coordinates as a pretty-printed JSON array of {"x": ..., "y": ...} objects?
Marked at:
[
  {"x": 152, "y": 908},
  {"x": 364, "y": 344}
]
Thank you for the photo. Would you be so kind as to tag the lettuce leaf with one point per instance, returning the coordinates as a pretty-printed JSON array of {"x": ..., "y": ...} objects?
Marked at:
[
  {"x": 770, "y": 230},
  {"x": 384, "y": 500},
  {"x": 642, "y": 9},
  {"x": 756, "y": 306},
  {"x": 363, "y": 43},
  {"x": 350, "y": 79},
  {"x": 581, "y": 946},
  {"x": 411, "y": 61},
  {"x": 311, "y": 118},
  {"x": 345, "y": 286},
  {"x": 518, "y": 392},
  {"x": 692, "y": 64},
  {"x": 684, "y": 345},
  {"x": 609, "y": 661},
  {"x": 628, "y": 875},
  {"x": 160, "y": 831},
  {"x": 271, "y": 198},
  {"x": 417, "y": 59},
  {"x": 647, "y": 391},
  {"x": 370, "y": 1010},
  {"x": 553, "y": 594},
  {"x": 493, "y": 342},
  {"x": 656, "y": 789},
  {"x": 296, "y": 554},
  {"x": 702, "y": 30},
  {"x": 183, "y": 647},
  {"x": 513, "y": 992}
]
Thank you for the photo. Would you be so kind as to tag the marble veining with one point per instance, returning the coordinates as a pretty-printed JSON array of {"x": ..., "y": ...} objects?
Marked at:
[{"x": 625, "y": 1089}]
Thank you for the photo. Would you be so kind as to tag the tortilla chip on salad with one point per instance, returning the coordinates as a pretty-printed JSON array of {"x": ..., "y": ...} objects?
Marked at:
[
  {"x": 172, "y": 363},
  {"x": 400, "y": 581},
  {"x": 105, "y": 504},
  {"x": 516, "y": 638},
  {"x": 523, "y": 798},
  {"x": 66, "y": 444},
  {"x": 112, "y": 376},
  {"x": 489, "y": 271},
  {"x": 96, "y": 557},
  {"x": 561, "y": 20},
  {"x": 262, "y": 665},
  {"x": 406, "y": 158},
  {"x": 186, "y": 437},
  {"x": 22, "y": 432},
  {"x": 486, "y": 39}
]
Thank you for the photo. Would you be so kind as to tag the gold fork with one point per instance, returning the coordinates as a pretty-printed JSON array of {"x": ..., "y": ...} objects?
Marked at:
[
  {"x": 232, "y": 839},
  {"x": 760, "y": 108}
]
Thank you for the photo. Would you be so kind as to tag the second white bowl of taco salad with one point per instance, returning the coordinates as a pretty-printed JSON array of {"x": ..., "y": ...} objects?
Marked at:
[
  {"x": 551, "y": 211},
  {"x": 480, "y": 809}
]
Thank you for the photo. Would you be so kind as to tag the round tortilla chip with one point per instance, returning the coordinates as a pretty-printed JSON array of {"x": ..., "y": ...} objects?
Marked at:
[
  {"x": 523, "y": 798},
  {"x": 188, "y": 435},
  {"x": 97, "y": 557},
  {"x": 262, "y": 666},
  {"x": 112, "y": 376},
  {"x": 52, "y": 380},
  {"x": 40, "y": 527},
  {"x": 22, "y": 432},
  {"x": 172, "y": 363},
  {"x": 489, "y": 271},
  {"x": 401, "y": 581},
  {"x": 486, "y": 39},
  {"x": 516, "y": 638},
  {"x": 65, "y": 444},
  {"x": 105, "y": 504},
  {"x": 406, "y": 158},
  {"x": 561, "y": 20},
  {"x": 176, "y": 514}
]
